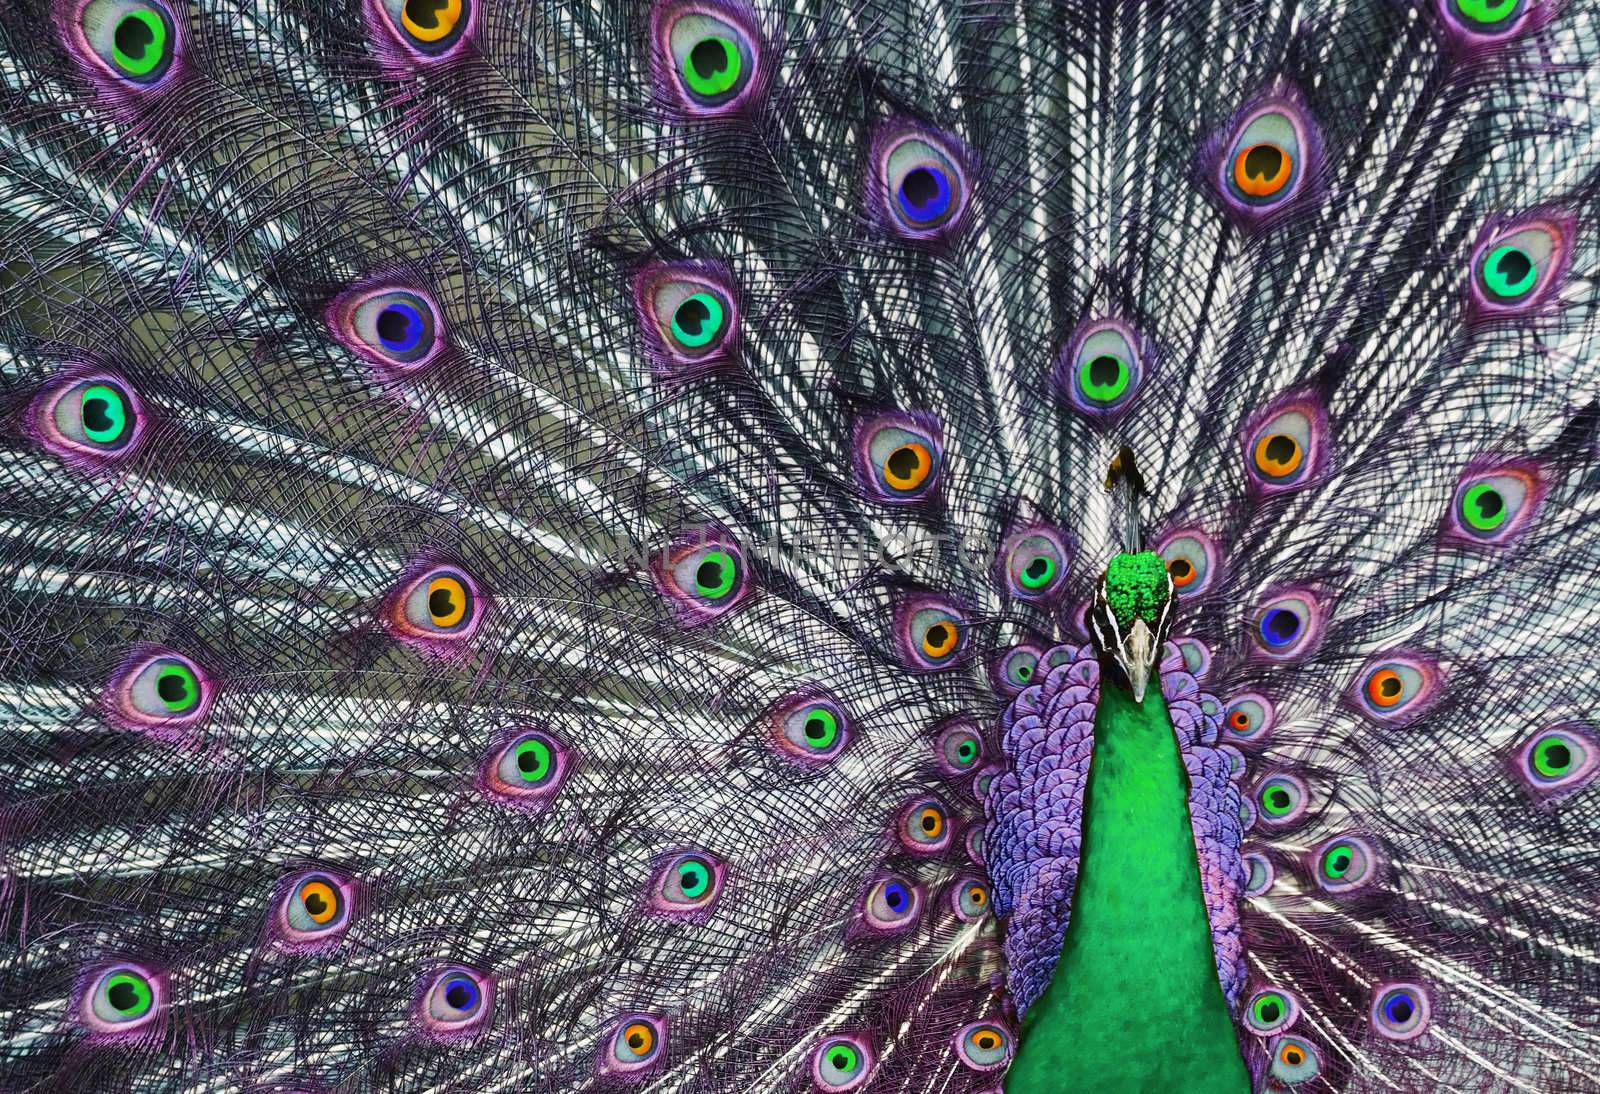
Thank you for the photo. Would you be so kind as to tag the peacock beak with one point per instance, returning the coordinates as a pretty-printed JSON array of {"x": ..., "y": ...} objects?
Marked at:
[{"x": 1138, "y": 657}]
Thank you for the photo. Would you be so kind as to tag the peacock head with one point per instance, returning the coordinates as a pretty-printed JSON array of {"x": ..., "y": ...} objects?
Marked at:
[{"x": 1131, "y": 616}]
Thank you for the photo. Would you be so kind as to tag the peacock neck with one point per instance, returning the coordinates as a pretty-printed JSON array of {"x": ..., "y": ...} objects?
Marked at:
[{"x": 1135, "y": 1003}]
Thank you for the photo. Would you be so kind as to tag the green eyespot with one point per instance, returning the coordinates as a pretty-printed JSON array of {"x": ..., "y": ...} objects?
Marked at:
[
  {"x": 698, "y": 320},
  {"x": 1509, "y": 272},
  {"x": 1484, "y": 508},
  {"x": 714, "y": 578},
  {"x": 713, "y": 66},
  {"x": 1038, "y": 572},
  {"x": 1337, "y": 861},
  {"x": 1487, "y": 12},
  {"x": 821, "y": 727},
  {"x": 533, "y": 760},
  {"x": 1104, "y": 378},
  {"x": 129, "y": 994},
  {"x": 694, "y": 878},
  {"x": 1552, "y": 757},
  {"x": 178, "y": 688},
  {"x": 105, "y": 414}
]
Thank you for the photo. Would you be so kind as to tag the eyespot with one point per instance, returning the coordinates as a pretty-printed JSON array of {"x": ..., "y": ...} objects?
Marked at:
[
  {"x": 898, "y": 457},
  {"x": 526, "y": 769},
  {"x": 1033, "y": 564},
  {"x": 1557, "y": 760},
  {"x": 687, "y": 886},
  {"x": 840, "y": 1063},
  {"x": 1518, "y": 265},
  {"x": 984, "y": 1046},
  {"x": 690, "y": 317},
  {"x": 1281, "y": 800},
  {"x": 891, "y": 904},
  {"x": 931, "y": 632},
  {"x": 135, "y": 41},
  {"x": 969, "y": 899},
  {"x": 313, "y": 910},
  {"x": 428, "y": 28},
  {"x": 1400, "y": 1012},
  {"x": 160, "y": 692},
  {"x": 1249, "y": 717},
  {"x": 707, "y": 56},
  {"x": 1016, "y": 669},
  {"x": 918, "y": 185},
  {"x": 455, "y": 1002},
  {"x": 1344, "y": 863},
  {"x": 1259, "y": 874},
  {"x": 1294, "y": 1059},
  {"x": 1196, "y": 657},
  {"x": 1396, "y": 688},
  {"x": 959, "y": 749},
  {"x": 1477, "y": 21},
  {"x": 90, "y": 419},
  {"x": 398, "y": 330},
  {"x": 1270, "y": 1011},
  {"x": 1191, "y": 559},
  {"x": 703, "y": 576},
  {"x": 1287, "y": 625},
  {"x": 121, "y": 1000},
  {"x": 1496, "y": 505},
  {"x": 809, "y": 727},
  {"x": 924, "y": 826},
  {"x": 1285, "y": 446},
  {"x": 1101, "y": 370},
  {"x": 1267, "y": 159},
  {"x": 438, "y": 608},
  {"x": 636, "y": 1044}
]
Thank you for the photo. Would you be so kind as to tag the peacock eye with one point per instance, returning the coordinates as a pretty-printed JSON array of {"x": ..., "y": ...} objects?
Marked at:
[
  {"x": 687, "y": 886},
  {"x": 638, "y": 1043},
  {"x": 1270, "y": 1011},
  {"x": 313, "y": 909},
  {"x": 395, "y": 329},
  {"x": 810, "y": 728},
  {"x": 984, "y": 1046},
  {"x": 1400, "y": 1012},
  {"x": 1287, "y": 625},
  {"x": 455, "y": 1002},
  {"x": 121, "y": 999},
  {"x": 1102, "y": 369},
  {"x": 960, "y": 749},
  {"x": 1281, "y": 449},
  {"x": 1494, "y": 507},
  {"x": 920, "y": 185},
  {"x": 931, "y": 633},
  {"x": 1017, "y": 669},
  {"x": 841, "y": 1063},
  {"x": 1281, "y": 800},
  {"x": 689, "y": 315},
  {"x": 91, "y": 419},
  {"x": 1264, "y": 166},
  {"x": 1294, "y": 1059},
  {"x": 526, "y": 770},
  {"x": 135, "y": 40},
  {"x": 429, "y": 27},
  {"x": 1396, "y": 688},
  {"x": 891, "y": 904},
  {"x": 1485, "y": 16},
  {"x": 969, "y": 899},
  {"x": 898, "y": 457},
  {"x": 1517, "y": 265},
  {"x": 693, "y": 317},
  {"x": 1259, "y": 873},
  {"x": 1191, "y": 559},
  {"x": 439, "y": 605},
  {"x": 1558, "y": 760},
  {"x": 923, "y": 826},
  {"x": 1034, "y": 563},
  {"x": 712, "y": 55},
  {"x": 1248, "y": 718},
  {"x": 165, "y": 691},
  {"x": 1344, "y": 863},
  {"x": 702, "y": 574}
]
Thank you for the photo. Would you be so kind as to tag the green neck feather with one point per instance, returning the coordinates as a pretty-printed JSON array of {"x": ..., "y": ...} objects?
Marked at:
[{"x": 1135, "y": 1004}]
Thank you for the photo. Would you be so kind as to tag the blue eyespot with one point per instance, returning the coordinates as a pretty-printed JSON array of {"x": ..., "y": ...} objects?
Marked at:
[
  {"x": 461, "y": 994},
  {"x": 400, "y": 328},
  {"x": 1279, "y": 628},
  {"x": 925, "y": 194}
]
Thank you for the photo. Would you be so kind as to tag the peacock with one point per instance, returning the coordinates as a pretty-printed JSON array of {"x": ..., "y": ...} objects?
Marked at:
[{"x": 738, "y": 546}]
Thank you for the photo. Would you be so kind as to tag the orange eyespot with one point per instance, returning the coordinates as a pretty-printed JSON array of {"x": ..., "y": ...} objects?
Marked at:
[
  {"x": 1292, "y": 1055},
  {"x": 1182, "y": 571},
  {"x": 430, "y": 20},
  {"x": 977, "y": 895},
  {"x": 908, "y": 466},
  {"x": 1262, "y": 170},
  {"x": 1278, "y": 454},
  {"x": 940, "y": 639},
  {"x": 930, "y": 822},
  {"x": 1385, "y": 687},
  {"x": 640, "y": 1038},
  {"x": 447, "y": 601},
  {"x": 1239, "y": 721},
  {"x": 986, "y": 1041},
  {"x": 319, "y": 900}
]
